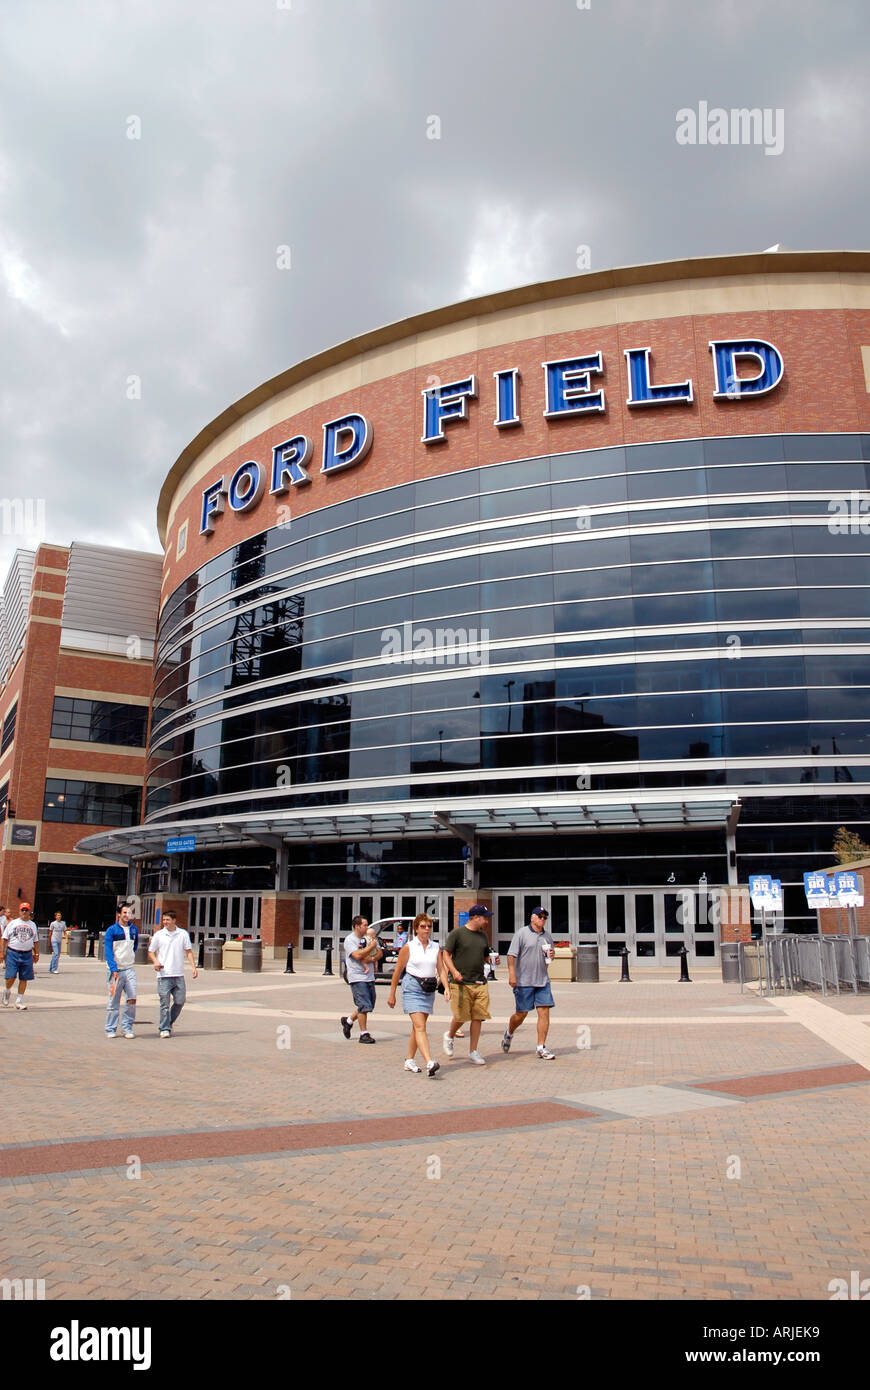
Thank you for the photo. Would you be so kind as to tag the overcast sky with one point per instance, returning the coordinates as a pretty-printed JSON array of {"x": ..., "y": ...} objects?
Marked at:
[{"x": 307, "y": 124}]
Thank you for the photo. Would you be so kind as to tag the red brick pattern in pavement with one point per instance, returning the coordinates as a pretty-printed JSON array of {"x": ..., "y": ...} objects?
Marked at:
[
  {"x": 772, "y": 1083},
  {"x": 30, "y": 1160}
]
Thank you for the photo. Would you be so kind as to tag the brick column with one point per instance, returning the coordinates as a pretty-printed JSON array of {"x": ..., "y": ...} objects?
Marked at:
[
  {"x": 465, "y": 899},
  {"x": 19, "y": 872},
  {"x": 279, "y": 923},
  {"x": 735, "y": 914},
  {"x": 177, "y": 903}
]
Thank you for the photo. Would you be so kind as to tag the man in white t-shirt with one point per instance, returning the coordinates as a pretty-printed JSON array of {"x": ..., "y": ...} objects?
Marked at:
[
  {"x": 20, "y": 947},
  {"x": 167, "y": 951}
]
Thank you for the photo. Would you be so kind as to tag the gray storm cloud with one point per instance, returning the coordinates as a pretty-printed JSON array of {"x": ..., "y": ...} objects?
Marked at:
[{"x": 139, "y": 277}]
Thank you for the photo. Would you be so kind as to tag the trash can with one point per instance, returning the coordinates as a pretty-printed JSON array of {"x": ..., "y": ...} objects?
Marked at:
[
  {"x": 212, "y": 955},
  {"x": 729, "y": 953},
  {"x": 142, "y": 949},
  {"x": 587, "y": 964},
  {"x": 252, "y": 955},
  {"x": 101, "y": 947},
  {"x": 78, "y": 942},
  {"x": 44, "y": 934}
]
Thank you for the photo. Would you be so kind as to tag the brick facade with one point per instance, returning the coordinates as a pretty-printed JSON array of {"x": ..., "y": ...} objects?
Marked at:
[{"x": 40, "y": 670}]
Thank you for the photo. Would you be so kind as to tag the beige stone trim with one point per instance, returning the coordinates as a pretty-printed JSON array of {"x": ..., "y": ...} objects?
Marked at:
[
  {"x": 47, "y": 569},
  {"x": 46, "y": 593},
  {"x": 113, "y": 696},
  {"x": 81, "y": 655},
  {"x": 87, "y": 774},
  {"x": 77, "y": 745},
  {"x": 53, "y": 622},
  {"x": 758, "y": 282},
  {"x": 49, "y": 857}
]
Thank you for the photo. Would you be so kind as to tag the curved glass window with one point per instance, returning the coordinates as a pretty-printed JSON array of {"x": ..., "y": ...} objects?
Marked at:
[{"x": 677, "y": 604}]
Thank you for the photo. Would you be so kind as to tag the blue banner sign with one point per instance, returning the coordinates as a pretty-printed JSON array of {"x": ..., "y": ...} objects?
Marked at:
[{"x": 182, "y": 844}]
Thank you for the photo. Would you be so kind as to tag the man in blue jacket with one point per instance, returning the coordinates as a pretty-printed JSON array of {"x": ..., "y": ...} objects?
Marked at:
[{"x": 120, "y": 947}]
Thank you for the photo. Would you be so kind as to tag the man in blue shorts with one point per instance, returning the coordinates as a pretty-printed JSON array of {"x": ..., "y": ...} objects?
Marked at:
[
  {"x": 361, "y": 950},
  {"x": 530, "y": 952},
  {"x": 20, "y": 950}
]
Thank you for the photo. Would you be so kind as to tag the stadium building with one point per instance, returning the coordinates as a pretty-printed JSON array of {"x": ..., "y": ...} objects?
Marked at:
[{"x": 558, "y": 594}]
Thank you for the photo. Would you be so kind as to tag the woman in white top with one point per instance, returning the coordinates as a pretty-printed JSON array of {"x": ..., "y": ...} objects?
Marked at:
[{"x": 423, "y": 967}]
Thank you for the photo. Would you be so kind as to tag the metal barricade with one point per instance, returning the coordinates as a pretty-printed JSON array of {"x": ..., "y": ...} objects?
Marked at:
[
  {"x": 793, "y": 962},
  {"x": 861, "y": 945}
]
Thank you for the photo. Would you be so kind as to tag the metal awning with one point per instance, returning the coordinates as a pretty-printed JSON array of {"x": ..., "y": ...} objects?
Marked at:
[{"x": 548, "y": 814}]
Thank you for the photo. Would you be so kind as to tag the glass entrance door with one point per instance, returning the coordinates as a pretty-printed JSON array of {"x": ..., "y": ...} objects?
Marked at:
[
  {"x": 651, "y": 923},
  {"x": 327, "y": 917}
]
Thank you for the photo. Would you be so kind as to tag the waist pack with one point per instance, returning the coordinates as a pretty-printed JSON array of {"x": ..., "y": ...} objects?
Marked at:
[{"x": 427, "y": 983}]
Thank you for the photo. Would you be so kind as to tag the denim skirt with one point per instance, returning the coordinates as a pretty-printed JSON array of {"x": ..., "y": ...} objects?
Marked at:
[{"x": 414, "y": 999}]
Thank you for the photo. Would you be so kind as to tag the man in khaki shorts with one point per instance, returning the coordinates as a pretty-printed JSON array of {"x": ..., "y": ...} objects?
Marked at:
[{"x": 464, "y": 953}]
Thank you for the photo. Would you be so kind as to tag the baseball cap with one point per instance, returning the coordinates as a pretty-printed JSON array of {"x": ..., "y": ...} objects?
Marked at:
[
  {"x": 24, "y": 907},
  {"x": 539, "y": 912},
  {"x": 479, "y": 911}
]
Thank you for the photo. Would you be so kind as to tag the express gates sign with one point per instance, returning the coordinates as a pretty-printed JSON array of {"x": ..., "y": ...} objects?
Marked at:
[{"x": 569, "y": 389}]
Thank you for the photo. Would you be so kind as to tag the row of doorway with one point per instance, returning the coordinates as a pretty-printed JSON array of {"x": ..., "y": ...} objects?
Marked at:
[{"x": 653, "y": 924}]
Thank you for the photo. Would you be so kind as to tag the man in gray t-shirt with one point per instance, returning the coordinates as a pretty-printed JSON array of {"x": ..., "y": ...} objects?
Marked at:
[
  {"x": 361, "y": 950},
  {"x": 58, "y": 927},
  {"x": 528, "y": 958}
]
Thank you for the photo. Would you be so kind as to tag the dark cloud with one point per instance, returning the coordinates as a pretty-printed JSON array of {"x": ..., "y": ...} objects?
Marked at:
[{"x": 264, "y": 125}]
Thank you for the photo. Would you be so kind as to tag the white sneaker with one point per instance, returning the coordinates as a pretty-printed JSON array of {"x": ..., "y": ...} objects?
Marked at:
[
  {"x": 19, "y": 1003},
  {"x": 129, "y": 1035},
  {"x": 111, "y": 1035},
  {"x": 448, "y": 1045},
  {"x": 411, "y": 1065},
  {"x": 506, "y": 1040},
  {"x": 164, "y": 1034},
  {"x": 432, "y": 1067},
  {"x": 545, "y": 1055},
  {"x": 476, "y": 1058},
  {"x": 6, "y": 996}
]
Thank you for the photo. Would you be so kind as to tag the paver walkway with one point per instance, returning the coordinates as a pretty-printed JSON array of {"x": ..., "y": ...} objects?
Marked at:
[{"x": 687, "y": 1142}]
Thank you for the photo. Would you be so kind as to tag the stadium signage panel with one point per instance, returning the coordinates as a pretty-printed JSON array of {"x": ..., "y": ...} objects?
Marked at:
[{"x": 742, "y": 369}]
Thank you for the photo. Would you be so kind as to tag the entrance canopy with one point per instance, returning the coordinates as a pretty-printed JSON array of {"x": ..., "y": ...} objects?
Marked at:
[{"x": 466, "y": 817}]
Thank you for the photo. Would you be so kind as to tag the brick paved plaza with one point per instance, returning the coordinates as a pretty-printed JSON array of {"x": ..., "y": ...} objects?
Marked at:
[{"x": 705, "y": 1145}]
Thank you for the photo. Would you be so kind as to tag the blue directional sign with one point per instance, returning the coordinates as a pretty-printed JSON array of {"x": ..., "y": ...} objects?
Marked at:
[
  {"x": 761, "y": 891},
  {"x": 850, "y": 889},
  {"x": 816, "y": 889},
  {"x": 182, "y": 844}
]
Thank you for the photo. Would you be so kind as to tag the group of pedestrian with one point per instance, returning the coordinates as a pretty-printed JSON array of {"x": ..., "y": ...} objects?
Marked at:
[
  {"x": 459, "y": 970},
  {"x": 168, "y": 950}
]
